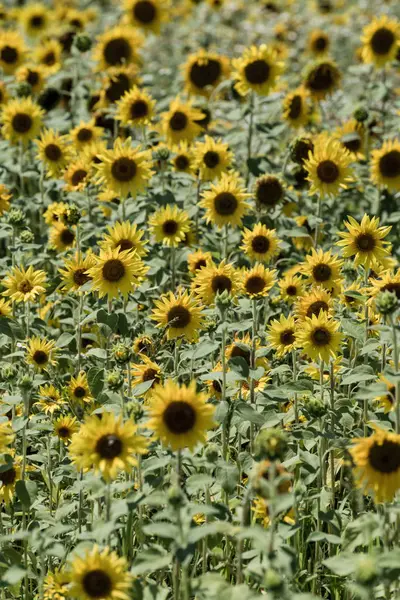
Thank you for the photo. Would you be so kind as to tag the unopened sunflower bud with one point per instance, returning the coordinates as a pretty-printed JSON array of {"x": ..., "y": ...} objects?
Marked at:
[
  {"x": 361, "y": 114},
  {"x": 299, "y": 149},
  {"x": 24, "y": 89},
  {"x": 315, "y": 407},
  {"x": 26, "y": 236},
  {"x": 367, "y": 571},
  {"x": 162, "y": 154},
  {"x": 25, "y": 382},
  {"x": 273, "y": 581},
  {"x": 114, "y": 380},
  {"x": 211, "y": 453},
  {"x": 386, "y": 302},
  {"x": 176, "y": 497},
  {"x": 8, "y": 372},
  {"x": 223, "y": 301},
  {"x": 134, "y": 410},
  {"x": 72, "y": 215},
  {"x": 16, "y": 217},
  {"x": 121, "y": 353},
  {"x": 270, "y": 444},
  {"x": 83, "y": 42}
]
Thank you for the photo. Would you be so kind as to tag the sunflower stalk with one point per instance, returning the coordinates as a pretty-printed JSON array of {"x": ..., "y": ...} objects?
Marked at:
[
  {"x": 250, "y": 136},
  {"x": 332, "y": 453},
  {"x": 396, "y": 370}
]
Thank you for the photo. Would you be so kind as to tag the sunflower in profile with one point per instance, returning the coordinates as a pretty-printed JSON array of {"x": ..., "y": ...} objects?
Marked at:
[
  {"x": 49, "y": 54},
  {"x": 388, "y": 281},
  {"x": 352, "y": 137},
  {"x": 313, "y": 302},
  {"x": 319, "y": 337},
  {"x": 183, "y": 159},
  {"x": 225, "y": 202},
  {"x": 74, "y": 274},
  {"x": 77, "y": 175},
  {"x": 143, "y": 346},
  {"x": 5, "y": 308},
  {"x": 328, "y": 166},
  {"x": 212, "y": 158},
  {"x": 322, "y": 79},
  {"x": 364, "y": 241},
  {"x": 100, "y": 574},
  {"x": 214, "y": 384},
  {"x": 124, "y": 236},
  {"x": 33, "y": 74},
  {"x": 12, "y": 50},
  {"x": 216, "y": 279},
  {"x": 179, "y": 416},
  {"x": 118, "y": 46},
  {"x": 291, "y": 288},
  {"x": 6, "y": 436},
  {"x": 318, "y": 43},
  {"x": 197, "y": 260},
  {"x": 322, "y": 269},
  {"x": 5, "y": 198},
  {"x": 54, "y": 152},
  {"x": 257, "y": 70},
  {"x": 41, "y": 353},
  {"x": 8, "y": 479},
  {"x": 269, "y": 191},
  {"x": 178, "y": 124},
  {"x": 258, "y": 281},
  {"x": 260, "y": 243},
  {"x": 387, "y": 398},
  {"x": 35, "y": 19},
  {"x": 85, "y": 134},
  {"x": 297, "y": 108},
  {"x": 385, "y": 165},
  {"x": 203, "y": 71},
  {"x": 282, "y": 335},
  {"x": 169, "y": 224},
  {"x": 107, "y": 445},
  {"x": 79, "y": 390},
  {"x": 377, "y": 464},
  {"x": 146, "y": 371},
  {"x": 124, "y": 170},
  {"x": 116, "y": 272},
  {"x": 62, "y": 237},
  {"x": 22, "y": 120},
  {"x": 50, "y": 400},
  {"x": 180, "y": 313},
  {"x": 65, "y": 427},
  {"x": 135, "y": 108},
  {"x": 380, "y": 41},
  {"x": 24, "y": 285}
]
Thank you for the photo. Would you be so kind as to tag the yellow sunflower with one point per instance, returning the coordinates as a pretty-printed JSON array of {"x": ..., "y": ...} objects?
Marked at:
[
  {"x": 350, "y": 296},
  {"x": 328, "y": 166},
  {"x": 50, "y": 400},
  {"x": 352, "y": 137},
  {"x": 135, "y": 108},
  {"x": 216, "y": 279},
  {"x": 215, "y": 385},
  {"x": 85, "y": 134},
  {"x": 257, "y": 70},
  {"x": 146, "y": 371},
  {"x": 260, "y": 243},
  {"x": 41, "y": 352},
  {"x": 8, "y": 479},
  {"x": 147, "y": 14},
  {"x": 203, "y": 71},
  {"x": 116, "y": 272},
  {"x": 55, "y": 586},
  {"x": 117, "y": 82},
  {"x": 385, "y": 165},
  {"x": 22, "y": 120},
  {"x": 212, "y": 158},
  {"x": 319, "y": 337},
  {"x": 313, "y": 302},
  {"x": 33, "y": 74},
  {"x": 179, "y": 416},
  {"x": 5, "y": 308},
  {"x": 269, "y": 191},
  {"x": 35, "y": 19},
  {"x": 225, "y": 202},
  {"x": 282, "y": 335},
  {"x": 183, "y": 159},
  {"x": 143, "y": 345},
  {"x": 54, "y": 152},
  {"x": 297, "y": 108},
  {"x": 12, "y": 50},
  {"x": 380, "y": 41},
  {"x": 5, "y": 197},
  {"x": 291, "y": 287},
  {"x": 258, "y": 386},
  {"x": 181, "y": 314},
  {"x": 55, "y": 212},
  {"x": 364, "y": 241},
  {"x": 197, "y": 260},
  {"x": 322, "y": 78},
  {"x": 62, "y": 237},
  {"x": 388, "y": 281},
  {"x": 318, "y": 42},
  {"x": 65, "y": 427},
  {"x": 118, "y": 46},
  {"x": 74, "y": 274},
  {"x": 107, "y": 445},
  {"x": 79, "y": 390},
  {"x": 386, "y": 399},
  {"x": 257, "y": 281},
  {"x": 4, "y": 97},
  {"x": 124, "y": 236},
  {"x": 77, "y": 175},
  {"x": 169, "y": 224},
  {"x": 6, "y": 436},
  {"x": 178, "y": 124},
  {"x": 322, "y": 269},
  {"x": 49, "y": 53},
  {"x": 23, "y": 285}
]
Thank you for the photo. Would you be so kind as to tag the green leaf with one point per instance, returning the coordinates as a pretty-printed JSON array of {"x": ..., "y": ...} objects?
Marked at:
[
  {"x": 26, "y": 492},
  {"x": 64, "y": 340},
  {"x": 248, "y": 413},
  {"x": 318, "y": 536},
  {"x": 151, "y": 563},
  {"x": 13, "y": 575},
  {"x": 240, "y": 365},
  {"x": 96, "y": 380},
  {"x": 162, "y": 529},
  {"x": 342, "y": 565},
  {"x": 97, "y": 353},
  {"x": 5, "y": 327}
]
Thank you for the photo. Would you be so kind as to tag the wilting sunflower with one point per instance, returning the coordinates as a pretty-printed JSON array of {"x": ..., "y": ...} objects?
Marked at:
[
  {"x": 106, "y": 445},
  {"x": 179, "y": 416},
  {"x": 118, "y": 46},
  {"x": 116, "y": 272},
  {"x": 328, "y": 166},
  {"x": 136, "y": 108},
  {"x": 269, "y": 191},
  {"x": 35, "y": 19},
  {"x": 41, "y": 352},
  {"x": 50, "y": 400},
  {"x": 146, "y": 371},
  {"x": 179, "y": 123},
  {"x": 5, "y": 197},
  {"x": 147, "y": 14},
  {"x": 322, "y": 78},
  {"x": 124, "y": 170},
  {"x": 49, "y": 53},
  {"x": 180, "y": 313},
  {"x": 364, "y": 241},
  {"x": 6, "y": 436},
  {"x": 387, "y": 398},
  {"x": 100, "y": 575},
  {"x": 5, "y": 308},
  {"x": 377, "y": 464},
  {"x": 12, "y": 50},
  {"x": 79, "y": 390},
  {"x": 385, "y": 165},
  {"x": 257, "y": 70},
  {"x": 225, "y": 202},
  {"x": 282, "y": 335},
  {"x": 74, "y": 274},
  {"x": 257, "y": 281},
  {"x": 22, "y": 120},
  {"x": 197, "y": 260},
  {"x": 61, "y": 237},
  {"x": 183, "y": 159},
  {"x": 54, "y": 152},
  {"x": 212, "y": 158},
  {"x": 322, "y": 269},
  {"x": 319, "y": 337},
  {"x": 33, "y": 74},
  {"x": 216, "y": 279},
  {"x": 381, "y": 41},
  {"x": 352, "y": 136},
  {"x": 65, "y": 427},
  {"x": 85, "y": 134},
  {"x": 8, "y": 479},
  {"x": 260, "y": 243},
  {"x": 23, "y": 285},
  {"x": 203, "y": 71},
  {"x": 297, "y": 107},
  {"x": 318, "y": 42},
  {"x": 313, "y": 302},
  {"x": 124, "y": 236},
  {"x": 169, "y": 224},
  {"x": 77, "y": 175},
  {"x": 291, "y": 287}
]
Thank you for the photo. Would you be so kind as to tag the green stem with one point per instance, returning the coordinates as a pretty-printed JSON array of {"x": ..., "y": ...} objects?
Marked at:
[{"x": 249, "y": 136}]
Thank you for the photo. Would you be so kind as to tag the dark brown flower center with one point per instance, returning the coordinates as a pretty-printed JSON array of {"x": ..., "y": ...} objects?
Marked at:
[
  {"x": 302, "y": 149},
  {"x": 178, "y": 121},
  {"x": 322, "y": 272},
  {"x": 37, "y": 21},
  {"x": 32, "y": 77},
  {"x": 139, "y": 109},
  {"x": 200, "y": 263},
  {"x": 144, "y": 11},
  {"x": 321, "y": 336},
  {"x": 53, "y": 152},
  {"x": 327, "y": 171},
  {"x": 257, "y": 72},
  {"x": 178, "y": 317},
  {"x": 217, "y": 386},
  {"x": 25, "y": 286},
  {"x": 382, "y": 41},
  {"x": 78, "y": 176},
  {"x": 109, "y": 446},
  {"x": 211, "y": 159},
  {"x": 269, "y": 192},
  {"x": 221, "y": 283},
  {"x": 9, "y": 55},
  {"x": 49, "y": 59},
  {"x": 113, "y": 270},
  {"x": 295, "y": 107},
  {"x": 63, "y": 432},
  {"x": 316, "y": 307},
  {"x": 80, "y": 277},
  {"x": 40, "y": 357},
  {"x": 385, "y": 457},
  {"x": 170, "y": 227},
  {"x": 150, "y": 374},
  {"x": 287, "y": 337},
  {"x": 85, "y": 134},
  {"x": 79, "y": 391},
  {"x": 182, "y": 162},
  {"x": 354, "y": 144},
  {"x": 204, "y": 74},
  {"x": 117, "y": 87},
  {"x": 67, "y": 237},
  {"x": 260, "y": 244},
  {"x": 225, "y": 203},
  {"x": 22, "y": 123},
  {"x": 365, "y": 242},
  {"x": 125, "y": 245},
  {"x": 240, "y": 351},
  {"x": 179, "y": 417},
  {"x": 320, "y": 43},
  {"x": 255, "y": 284},
  {"x": 321, "y": 78},
  {"x": 389, "y": 164},
  {"x": 117, "y": 51},
  {"x": 124, "y": 169},
  {"x": 291, "y": 290},
  {"x": 97, "y": 584},
  {"x": 393, "y": 287},
  {"x": 8, "y": 477}
]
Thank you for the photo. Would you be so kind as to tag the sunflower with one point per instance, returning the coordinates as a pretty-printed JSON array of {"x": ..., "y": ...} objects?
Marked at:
[
  {"x": 147, "y": 371},
  {"x": 364, "y": 241},
  {"x": 124, "y": 170},
  {"x": 305, "y": 242},
  {"x": 225, "y": 202},
  {"x": 48, "y": 53},
  {"x": 100, "y": 575},
  {"x": 180, "y": 313},
  {"x": 41, "y": 352},
  {"x": 214, "y": 384},
  {"x": 258, "y": 281},
  {"x": 35, "y": 75},
  {"x": 261, "y": 513},
  {"x": 22, "y": 120},
  {"x": 297, "y": 108},
  {"x": 178, "y": 124},
  {"x": 180, "y": 416},
  {"x": 116, "y": 272},
  {"x": 85, "y": 134},
  {"x": 54, "y": 152},
  {"x": 318, "y": 42},
  {"x": 79, "y": 390},
  {"x": 23, "y": 285},
  {"x": 381, "y": 41},
  {"x": 55, "y": 586},
  {"x": 143, "y": 345},
  {"x": 291, "y": 287},
  {"x": 8, "y": 479},
  {"x": 74, "y": 274},
  {"x": 197, "y": 260},
  {"x": 55, "y": 212},
  {"x": 319, "y": 337},
  {"x": 183, "y": 159},
  {"x": 77, "y": 175},
  {"x": 322, "y": 78},
  {"x": 257, "y": 70},
  {"x": 124, "y": 236},
  {"x": 388, "y": 282},
  {"x": 119, "y": 81},
  {"x": 147, "y": 14},
  {"x": 93, "y": 151},
  {"x": 260, "y": 243},
  {"x": 322, "y": 269},
  {"x": 118, "y": 46},
  {"x": 65, "y": 427},
  {"x": 377, "y": 464},
  {"x": 50, "y": 400},
  {"x": 385, "y": 165},
  {"x": 135, "y": 108},
  {"x": 242, "y": 347},
  {"x": 62, "y": 237},
  {"x": 386, "y": 399},
  {"x": 269, "y": 191},
  {"x": 203, "y": 71},
  {"x": 351, "y": 296},
  {"x": 12, "y": 51},
  {"x": 35, "y": 19},
  {"x": 6, "y": 436},
  {"x": 5, "y": 197},
  {"x": 282, "y": 335},
  {"x": 169, "y": 224},
  {"x": 106, "y": 445},
  {"x": 5, "y": 308},
  {"x": 328, "y": 166},
  {"x": 258, "y": 386},
  {"x": 4, "y": 97},
  {"x": 352, "y": 137},
  {"x": 313, "y": 302},
  {"x": 212, "y": 158},
  {"x": 216, "y": 279}
]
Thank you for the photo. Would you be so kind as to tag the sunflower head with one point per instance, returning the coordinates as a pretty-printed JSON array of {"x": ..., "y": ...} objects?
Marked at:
[
  {"x": 225, "y": 202},
  {"x": 319, "y": 337},
  {"x": 322, "y": 78},
  {"x": 380, "y": 41},
  {"x": 258, "y": 281},
  {"x": 203, "y": 72},
  {"x": 22, "y": 120},
  {"x": 385, "y": 165},
  {"x": 169, "y": 225},
  {"x": 180, "y": 122},
  {"x": 269, "y": 191},
  {"x": 365, "y": 241},
  {"x": 328, "y": 166},
  {"x": 257, "y": 70},
  {"x": 181, "y": 314}
]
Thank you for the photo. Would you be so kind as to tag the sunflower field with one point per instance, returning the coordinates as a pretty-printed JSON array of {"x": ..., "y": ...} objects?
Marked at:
[{"x": 199, "y": 300}]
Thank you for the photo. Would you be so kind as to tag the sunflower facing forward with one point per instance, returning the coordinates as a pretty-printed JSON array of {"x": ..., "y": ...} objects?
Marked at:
[
  {"x": 135, "y": 108},
  {"x": 23, "y": 285},
  {"x": 297, "y": 108},
  {"x": 258, "y": 281},
  {"x": 147, "y": 14},
  {"x": 116, "y": 272},
  {"x": 319, "y": 337},
  {"x": 41, "y": 353},
  {"x": 269, "y": 191},
  {"x": 79, "y": 390},
  {"x": 118, "y": 46},
  {"x": 282, "y": 335},
  {"x": 364, "y": 241},
  {"x": 385, "y": 165},
  {"x": 225, "y": 202},
  {"x": 257, "y": 70},
  {"x": 260, "y": 243},
  {"x": 22, "y": 120},
  {"x": 216, "y": 279},
  {"x": 179, "y": 123},
  {"x": 169, "y": 225},
  {"x": 181, "y": 314},
  {"x": 179, "y": 416},
  {"x": 380, "y": 41},
  {"x": 65, "y": 427},
  {"x": 124, "y": 236},
  {"x": 322, "y": 269},
  {"x": 203, "y": 71},
  {"x": 212, "y": 158},
  {"x": 328, "y": 166},
  {"x": 12, "y": 50},
  {"x": 291, "y": 287},
  {"x": 74, "y": 274},
  {"x": 312, "y": 303}
]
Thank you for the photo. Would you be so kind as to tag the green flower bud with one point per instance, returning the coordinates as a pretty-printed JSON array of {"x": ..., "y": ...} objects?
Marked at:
[
  {"x": 24, "y": 89},
  {"x": 134, "y": 410},
  {"x": 211, "y": 453},
  {"x": 114, "y": 380},
  {"x": 315, "y": 407},
  {"x": 72, "y": 215},
  {"x": 26, "y": 236},
  {"x": 223, "y": 301},
  {"x": 16, "y": 217},
  {"x": 122, "y": 353},
  {"x": 367, "y": 571},
  {"x": 386, "y": 302},
  {"x": 8, "y": 372},
  {"x": 162, "y": 154},
  {"x": 361, "y": 114},
  {"x": 25, "y": 382},
  {"x": 83, "y": 42},
  {"x": 273, "y": 581},
  {"x": 270, "y": 444}
]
